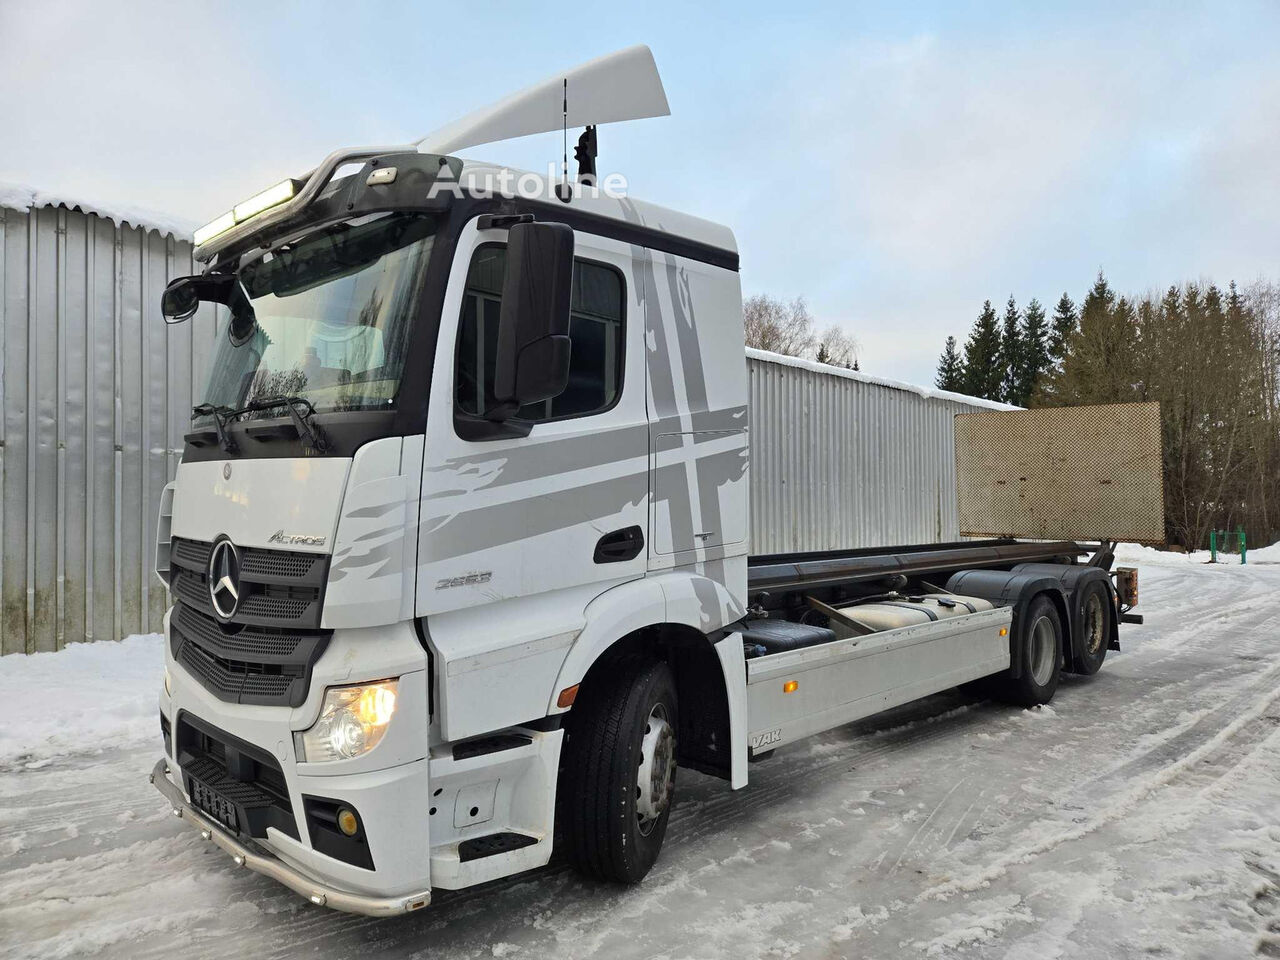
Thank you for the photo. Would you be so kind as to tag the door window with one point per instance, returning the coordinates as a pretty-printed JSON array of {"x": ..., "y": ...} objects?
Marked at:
[{"x": 596, "y": 321}]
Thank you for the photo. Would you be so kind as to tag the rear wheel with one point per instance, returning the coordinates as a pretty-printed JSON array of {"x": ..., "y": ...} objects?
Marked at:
[
  {"x": 1041, "y": 636},
  {"x": 619, "y": 771},
  {"x": 1095, "y": 628}
]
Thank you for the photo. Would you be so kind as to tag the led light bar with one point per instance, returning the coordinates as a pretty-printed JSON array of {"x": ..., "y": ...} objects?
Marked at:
[
  {"x": 271, "y": 197},
  {"x": 214, "y": 227}
]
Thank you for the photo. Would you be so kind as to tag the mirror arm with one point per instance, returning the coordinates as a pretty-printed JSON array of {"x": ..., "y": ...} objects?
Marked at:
[{"x": 478, "y": 429}]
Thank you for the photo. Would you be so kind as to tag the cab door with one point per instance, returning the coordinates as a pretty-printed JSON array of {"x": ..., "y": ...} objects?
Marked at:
[{"x": 565, "y": 507}]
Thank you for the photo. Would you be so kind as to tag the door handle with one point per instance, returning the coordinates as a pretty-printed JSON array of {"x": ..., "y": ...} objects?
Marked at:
[{"x": 620, "y": 545}]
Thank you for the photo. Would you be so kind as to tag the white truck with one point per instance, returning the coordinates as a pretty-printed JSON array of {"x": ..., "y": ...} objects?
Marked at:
[{"x": 458, "y": 548}]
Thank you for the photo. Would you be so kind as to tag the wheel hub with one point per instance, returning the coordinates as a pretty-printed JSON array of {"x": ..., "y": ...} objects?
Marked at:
[
  {"x": 656, "y": 774},
  {"x": 1043, "y": 651},
  {"x": 1093, "y": 620}
]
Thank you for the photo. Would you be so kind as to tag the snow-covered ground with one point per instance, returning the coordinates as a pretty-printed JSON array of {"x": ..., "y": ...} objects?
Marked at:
[{"x": 1137, "y": 816}]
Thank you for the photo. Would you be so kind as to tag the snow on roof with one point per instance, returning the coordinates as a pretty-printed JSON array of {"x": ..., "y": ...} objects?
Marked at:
[
  {"x": 17, "y": 196},
  {"x": 929, "y": 393}
]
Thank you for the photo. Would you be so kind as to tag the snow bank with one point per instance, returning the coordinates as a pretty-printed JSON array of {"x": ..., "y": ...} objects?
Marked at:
[
  {"x": 86, "y": 696},
  {"x": 18, "y": 196},
  {"x": 1136, "y": 553}
]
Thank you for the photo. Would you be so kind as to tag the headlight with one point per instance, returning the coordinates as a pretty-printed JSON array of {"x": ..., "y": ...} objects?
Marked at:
[{"x": 352, "y": 721}]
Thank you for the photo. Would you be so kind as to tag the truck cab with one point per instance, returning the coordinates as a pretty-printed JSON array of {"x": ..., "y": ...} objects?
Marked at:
[
  {"x": 384, "y": 609},
  {"x": 458, "y": 547}
]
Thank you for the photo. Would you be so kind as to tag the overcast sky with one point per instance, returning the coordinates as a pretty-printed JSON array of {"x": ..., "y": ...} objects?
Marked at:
[{"x": 896, "y": 167}]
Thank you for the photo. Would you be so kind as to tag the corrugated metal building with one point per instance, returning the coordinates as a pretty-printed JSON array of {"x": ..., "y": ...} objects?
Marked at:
[
  {"x": 841, "y": 459},
  {"x": 97, "y": 393}
]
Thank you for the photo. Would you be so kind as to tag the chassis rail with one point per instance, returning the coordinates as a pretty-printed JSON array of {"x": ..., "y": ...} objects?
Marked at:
[
  {"x": 318, "y": 893},
  {"x": 792, "y": 571}
]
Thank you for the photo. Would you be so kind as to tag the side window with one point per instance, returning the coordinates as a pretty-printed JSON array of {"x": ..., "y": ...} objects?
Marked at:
[{"x": 595, "y": 327}]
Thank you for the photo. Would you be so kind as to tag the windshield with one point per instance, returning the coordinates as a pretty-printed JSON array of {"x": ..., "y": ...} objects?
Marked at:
[{"x": 333, "y": 312}]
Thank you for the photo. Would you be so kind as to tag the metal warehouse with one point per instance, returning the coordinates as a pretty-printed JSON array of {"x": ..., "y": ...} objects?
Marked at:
[
  {"x": 98, "y": 391},
  {"x": 97, "y": 394}
]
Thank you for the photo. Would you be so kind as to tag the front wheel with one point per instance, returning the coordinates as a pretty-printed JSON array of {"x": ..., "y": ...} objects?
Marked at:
[{"x": 618, "y": 773}]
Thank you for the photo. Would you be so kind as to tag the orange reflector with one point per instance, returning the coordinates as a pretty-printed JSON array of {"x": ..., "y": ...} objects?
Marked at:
[
  {"x": 567, "y": 696},
  {"x": 791, "y": 686},
  {"x": 1004, "y": 631}
]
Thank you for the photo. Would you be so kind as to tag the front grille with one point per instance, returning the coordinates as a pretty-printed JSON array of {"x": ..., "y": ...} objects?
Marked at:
[
  {"x": 277, "y": 587},
  {"x": 283, "y": 564},
  {"x": 241, "y": 773},
  {"x": 190, "y": 553},
  {"x": 264, "y": 606},
  {"x": 252, "y": 665}
]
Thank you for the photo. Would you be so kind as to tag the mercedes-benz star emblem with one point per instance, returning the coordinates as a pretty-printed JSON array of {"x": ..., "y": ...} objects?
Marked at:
[
  {"x": 224, "y": 578},
  {"x": 226, "y": 471}
]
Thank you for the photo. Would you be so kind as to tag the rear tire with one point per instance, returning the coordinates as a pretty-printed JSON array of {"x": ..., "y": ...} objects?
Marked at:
[
  {"x": 1095, "y": 628},
  {"x": 1040, "y": 634},
  {"x": 617, "y": 781}
]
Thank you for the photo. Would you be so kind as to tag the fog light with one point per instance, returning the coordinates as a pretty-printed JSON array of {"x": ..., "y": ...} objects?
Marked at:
[{"x": 348, "y": 823}]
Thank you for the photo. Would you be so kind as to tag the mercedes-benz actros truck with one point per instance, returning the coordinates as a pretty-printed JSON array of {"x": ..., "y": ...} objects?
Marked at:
[{"x": 458, "y": 549}]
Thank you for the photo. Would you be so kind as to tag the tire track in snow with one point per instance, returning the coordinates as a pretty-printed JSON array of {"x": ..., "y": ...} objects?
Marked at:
[{"x": 1118, "y": 808}]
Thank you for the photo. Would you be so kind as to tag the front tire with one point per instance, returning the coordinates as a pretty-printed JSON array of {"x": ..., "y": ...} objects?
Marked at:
[{"x": 617, "y": 779}]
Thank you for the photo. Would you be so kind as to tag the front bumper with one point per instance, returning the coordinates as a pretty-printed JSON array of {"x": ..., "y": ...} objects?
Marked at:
[{"x": 314, "y": 890}]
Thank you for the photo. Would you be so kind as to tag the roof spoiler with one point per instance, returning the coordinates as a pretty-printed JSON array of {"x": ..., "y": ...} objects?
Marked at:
[
  {"x": 618, "y": 86},
  {"x": 623, "y": 85}
]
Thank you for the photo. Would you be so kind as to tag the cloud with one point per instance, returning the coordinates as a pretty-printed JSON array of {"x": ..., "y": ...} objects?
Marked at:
[
  {"x": 894, "y": 167},
  {"x": 950, "y": 168}
]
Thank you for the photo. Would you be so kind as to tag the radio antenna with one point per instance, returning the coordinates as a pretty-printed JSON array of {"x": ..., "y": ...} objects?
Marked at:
[{"x": 564, "y": 192}]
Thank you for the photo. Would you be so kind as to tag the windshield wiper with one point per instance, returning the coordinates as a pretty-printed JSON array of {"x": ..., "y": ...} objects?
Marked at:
[
  {"x": 221, "y": 416},
  {"x": 310, "y": 433}
]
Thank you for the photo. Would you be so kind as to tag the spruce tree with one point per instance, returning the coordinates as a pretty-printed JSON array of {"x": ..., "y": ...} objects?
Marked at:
[
  {"x": 1010, "y": 352},
  {"x": 1035, "y": 358},
  {"x": 1102, "y": 364},
  {"x": 983, "y": 375},
  {"x": 1065, "y": 320},
  {"x": 950, "y": 368}
]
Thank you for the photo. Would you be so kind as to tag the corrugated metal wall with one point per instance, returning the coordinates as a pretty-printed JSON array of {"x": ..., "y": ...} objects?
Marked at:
[
  {"x": 839, "y": 460},
  {"x": 97, "y": 393}
]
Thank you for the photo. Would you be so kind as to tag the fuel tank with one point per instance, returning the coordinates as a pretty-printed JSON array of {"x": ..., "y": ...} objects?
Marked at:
[{"x": 891, "y": 614}]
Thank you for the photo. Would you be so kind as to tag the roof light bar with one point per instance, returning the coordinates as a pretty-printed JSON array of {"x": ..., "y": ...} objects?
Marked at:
[
  {"x": 247, "y": 209},
  {"x": 282, "y": 191},
  {"x": 214, "y": 227}
]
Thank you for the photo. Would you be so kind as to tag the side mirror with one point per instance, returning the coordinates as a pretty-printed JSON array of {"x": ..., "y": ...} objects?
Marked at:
[
  {"x": 532, "y": 362},
  {"x": 182, "y": 297}
]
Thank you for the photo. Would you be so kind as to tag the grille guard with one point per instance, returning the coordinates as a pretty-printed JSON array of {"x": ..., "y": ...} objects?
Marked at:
[{"x": 321, "y": 894}]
